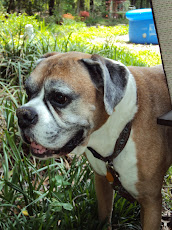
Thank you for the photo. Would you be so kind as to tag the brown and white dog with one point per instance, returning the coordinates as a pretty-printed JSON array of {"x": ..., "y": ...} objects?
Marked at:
[{"x": 78, "y": 100}]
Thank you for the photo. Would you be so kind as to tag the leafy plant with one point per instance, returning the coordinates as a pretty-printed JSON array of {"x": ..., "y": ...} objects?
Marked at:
[{"x": 54, "y": 193}]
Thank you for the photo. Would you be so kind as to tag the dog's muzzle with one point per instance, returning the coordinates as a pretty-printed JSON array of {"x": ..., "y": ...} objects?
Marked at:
[{"x": 27, "y": 117}]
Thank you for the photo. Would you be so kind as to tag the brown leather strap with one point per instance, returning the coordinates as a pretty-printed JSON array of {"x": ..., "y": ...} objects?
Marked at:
[
  {"x": 119, "y": 146},
  {"x": 117, "y": 186},
  {"x": 112, "y": 176}
]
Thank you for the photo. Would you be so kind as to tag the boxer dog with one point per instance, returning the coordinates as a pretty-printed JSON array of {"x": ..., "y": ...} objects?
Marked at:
[{"x": 82, "y": 103}]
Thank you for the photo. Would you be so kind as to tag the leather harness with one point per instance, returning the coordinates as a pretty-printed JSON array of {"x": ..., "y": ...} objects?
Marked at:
[{"x": 112, "y": 176}]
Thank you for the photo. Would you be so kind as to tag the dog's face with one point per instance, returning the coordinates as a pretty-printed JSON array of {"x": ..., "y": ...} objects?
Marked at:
[{"x": 70, "y": 96}]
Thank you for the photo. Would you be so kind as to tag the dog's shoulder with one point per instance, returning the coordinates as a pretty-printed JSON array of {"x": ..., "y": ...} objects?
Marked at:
[
  {"x": 152, "y": 90},
  {"x": 155, "y": 72},
  {"x": 150, "y": 79}
]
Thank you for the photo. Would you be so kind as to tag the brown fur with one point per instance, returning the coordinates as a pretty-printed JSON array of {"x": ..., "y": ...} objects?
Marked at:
[
  {"x": 153, "y": 144},
  {"x": 60, "y": 66},
  {"x": 105, "y": 206}
]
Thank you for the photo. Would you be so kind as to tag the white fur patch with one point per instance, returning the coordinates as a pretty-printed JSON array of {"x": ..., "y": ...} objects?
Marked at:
[
  {"x": 46, "y": 126},
  {"x": 54, "y": 129},
  {"x": 126, "y": 165},
  {"x": 104, "y": 139},
  {"x": 97, "y": 165}
]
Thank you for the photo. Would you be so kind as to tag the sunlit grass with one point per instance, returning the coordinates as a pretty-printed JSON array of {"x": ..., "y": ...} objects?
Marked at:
[
  {"x": 54, "y": 193},
  {"x": 18, "y": 53}
]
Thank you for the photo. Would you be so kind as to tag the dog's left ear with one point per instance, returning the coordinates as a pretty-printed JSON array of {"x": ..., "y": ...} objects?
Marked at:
[
  {"x": 109, "y": 77},
  {"x": 47, "y": 55}
]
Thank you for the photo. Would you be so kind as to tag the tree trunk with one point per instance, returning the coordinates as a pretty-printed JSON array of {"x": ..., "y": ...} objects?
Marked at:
[
  {"x": 11, "y": 6},
  {"x": 82, "y": 6},
  {"x": 78, "y": 7},
  {"x": 19, "y": 6},
  {"x": 92, "y": 7},
  {"x": 51, "y": 7},
  {"x": 29, "y": 8},
  {"x": 133, "y": 2}
]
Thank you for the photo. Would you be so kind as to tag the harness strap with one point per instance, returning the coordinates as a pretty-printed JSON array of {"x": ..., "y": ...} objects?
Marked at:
[
  {"x": 112, "y": 176},
  {"x": 119, "y": 146}
]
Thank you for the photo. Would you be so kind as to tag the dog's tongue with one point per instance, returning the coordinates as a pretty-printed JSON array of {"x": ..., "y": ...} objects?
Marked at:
[{"x": 39, "y": 149}]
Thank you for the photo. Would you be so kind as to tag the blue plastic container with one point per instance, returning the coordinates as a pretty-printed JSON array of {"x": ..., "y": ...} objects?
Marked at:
[{"x": 141, "y": 26}]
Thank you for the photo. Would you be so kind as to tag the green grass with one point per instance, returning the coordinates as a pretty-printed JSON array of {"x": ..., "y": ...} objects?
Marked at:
[
  {"x": 48, "y": 194},
  {"x": 54, "y": 193},
  {"x": 18, "y": 53}
]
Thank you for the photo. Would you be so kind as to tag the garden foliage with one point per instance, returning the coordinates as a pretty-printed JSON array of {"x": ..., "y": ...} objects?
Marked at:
[{"x": 59, "y": 193}]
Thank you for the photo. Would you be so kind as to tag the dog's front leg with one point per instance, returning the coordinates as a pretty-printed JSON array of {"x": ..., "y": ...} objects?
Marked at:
[
  {"x": 105, "y": 195},
  {"x": 151, "y": 213}
]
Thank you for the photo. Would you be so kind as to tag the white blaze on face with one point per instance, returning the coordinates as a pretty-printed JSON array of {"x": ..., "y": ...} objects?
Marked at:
[
  {"x": 46, "y": 126},
  {"x": 56, "y": 126}
]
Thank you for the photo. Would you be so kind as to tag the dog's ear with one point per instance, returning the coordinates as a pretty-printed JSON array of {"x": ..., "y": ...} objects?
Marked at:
[
  {"x": 109, "y": 77},
  {"x": 47, "y": 55}
]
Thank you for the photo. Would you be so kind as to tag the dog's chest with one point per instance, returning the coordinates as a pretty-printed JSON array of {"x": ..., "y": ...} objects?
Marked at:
[{"x": 125, "y": 164}]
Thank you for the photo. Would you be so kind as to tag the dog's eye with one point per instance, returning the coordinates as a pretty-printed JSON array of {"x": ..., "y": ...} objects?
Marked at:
[{"x": 59, "y": 99}]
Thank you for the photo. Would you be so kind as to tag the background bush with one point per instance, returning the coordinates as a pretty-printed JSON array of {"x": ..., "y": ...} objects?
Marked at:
[{"x": 54, "y": 193}]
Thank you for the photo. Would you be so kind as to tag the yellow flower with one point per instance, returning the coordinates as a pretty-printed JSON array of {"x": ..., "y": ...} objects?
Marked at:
[{"x": 25, "y": 212}]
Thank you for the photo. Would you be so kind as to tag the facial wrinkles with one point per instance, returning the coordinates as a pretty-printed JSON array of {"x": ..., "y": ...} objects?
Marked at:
[
  {"x": 73, "y": 115},
  {"x": 38, "y": 104},
  {"x": 69, "y": 116},
  {"x": 53, "y": 141},
  {"x": 45, "y": 116},
  {"x": 45, "y": 121},
  {"x": 50, "y": 129},
  {"x": 59, "y": 86},
  {"x": 55, "y": 128},
  {"x": 47, "y": 131},
  {"x": 56, "y": 116}
]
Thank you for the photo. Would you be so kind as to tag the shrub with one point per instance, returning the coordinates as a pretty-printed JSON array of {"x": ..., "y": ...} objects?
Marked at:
[
  {"x": 68, "y": 16},
  {"x": 84, "y": 14}
]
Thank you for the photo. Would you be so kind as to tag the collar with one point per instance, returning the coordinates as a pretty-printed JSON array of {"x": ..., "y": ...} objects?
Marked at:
[
  {"x": 112, "y": 176},
  {"x": 119, "y": 146}
]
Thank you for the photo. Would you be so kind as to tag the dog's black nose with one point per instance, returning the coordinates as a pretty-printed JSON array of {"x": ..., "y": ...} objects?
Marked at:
[{"x": 27, "y": 116}]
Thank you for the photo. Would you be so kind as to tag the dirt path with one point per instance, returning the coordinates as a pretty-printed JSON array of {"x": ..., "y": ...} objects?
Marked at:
[{"x": 123, "y": 41}]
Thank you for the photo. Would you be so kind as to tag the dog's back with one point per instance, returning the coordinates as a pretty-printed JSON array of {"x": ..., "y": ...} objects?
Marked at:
[
  {"x": 153, "y": 141},
  {"x": 79, "y": 100},
  {"x": 152, "y": 81},
  {"x": 153, "y": 101}
]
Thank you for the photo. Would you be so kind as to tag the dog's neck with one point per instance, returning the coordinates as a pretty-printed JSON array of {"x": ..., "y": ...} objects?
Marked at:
[{"x": 103, "y": 140}]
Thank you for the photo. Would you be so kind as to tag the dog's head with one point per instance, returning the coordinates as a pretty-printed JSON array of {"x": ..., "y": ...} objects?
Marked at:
[{"x": 70, "y": 96}]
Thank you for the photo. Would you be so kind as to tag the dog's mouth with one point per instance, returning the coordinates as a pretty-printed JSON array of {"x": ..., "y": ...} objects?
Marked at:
[{"x": 40, "y": 151}]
